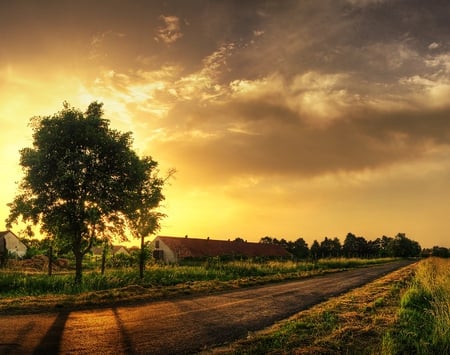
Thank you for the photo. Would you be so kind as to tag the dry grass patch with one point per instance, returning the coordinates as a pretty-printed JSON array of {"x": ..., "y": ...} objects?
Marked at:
[{"x": 353, "y": 323}]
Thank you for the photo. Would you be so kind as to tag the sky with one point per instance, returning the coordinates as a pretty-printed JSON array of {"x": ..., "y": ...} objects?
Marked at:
[{"x": 288, "y": 119}]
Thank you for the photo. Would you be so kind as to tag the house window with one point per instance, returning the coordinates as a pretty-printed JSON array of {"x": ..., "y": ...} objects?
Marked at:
[{"x": 157, "y": 244}]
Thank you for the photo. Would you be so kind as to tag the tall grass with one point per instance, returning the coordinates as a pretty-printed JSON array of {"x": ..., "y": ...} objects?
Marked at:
[
  {"x": 424, "y": 316},
  {"x": 25, "y": 284}
]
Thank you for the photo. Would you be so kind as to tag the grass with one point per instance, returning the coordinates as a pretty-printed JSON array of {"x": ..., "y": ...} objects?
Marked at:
[
  {"x": 423, "y": 326},
  {"x": 33, "y": 284},
  {"x": 353, "y": 323},
  {"x": 20, "y": 288}
]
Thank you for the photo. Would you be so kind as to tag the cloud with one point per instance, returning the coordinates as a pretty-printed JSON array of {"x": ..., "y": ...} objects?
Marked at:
[
  {"x": 433, "y": 45},
  {"x": 268, "y": 126},
  {"x": 170, "y": 32},
  {"x": 102, "y": 42},
  {"x": 310, "y": 123},
  {"x": 294, "y": 149},
  {"x": 205, "y": 85},
  {"x": 280, "y": 99}
]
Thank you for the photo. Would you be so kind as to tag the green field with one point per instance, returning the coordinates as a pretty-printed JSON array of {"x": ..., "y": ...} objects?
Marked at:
[{"x": 17, "y": 284}]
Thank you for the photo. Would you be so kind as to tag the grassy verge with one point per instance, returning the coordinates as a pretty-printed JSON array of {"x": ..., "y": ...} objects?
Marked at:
[
  {"x": 350, "y": 324},
  {"x": 21, "y": 292},
  {"x": 423, "y": 326}
]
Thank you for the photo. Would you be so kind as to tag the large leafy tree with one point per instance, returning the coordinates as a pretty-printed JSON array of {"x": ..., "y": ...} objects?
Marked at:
[{"x": 82, "y": 180}]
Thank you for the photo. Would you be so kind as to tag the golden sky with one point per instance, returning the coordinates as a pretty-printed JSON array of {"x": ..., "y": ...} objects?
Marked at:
[{"x": 283, "y": 118}]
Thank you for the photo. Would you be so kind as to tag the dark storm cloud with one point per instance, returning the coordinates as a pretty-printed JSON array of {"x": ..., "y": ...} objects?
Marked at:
[
  {"x": 279, "y": 142},
  {"x": 326, "y": 35},
  {"x": 336, "y": 36}
]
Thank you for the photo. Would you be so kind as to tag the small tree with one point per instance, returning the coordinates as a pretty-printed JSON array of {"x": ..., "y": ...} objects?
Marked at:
[
  {"x": 142, "y": 218},
  {"x": 144, "y": 222},
  {"x": 80, "y": 180}
]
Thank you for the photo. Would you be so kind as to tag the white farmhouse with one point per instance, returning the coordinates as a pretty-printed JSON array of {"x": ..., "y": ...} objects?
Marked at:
[{"x": 12, "y": 243}]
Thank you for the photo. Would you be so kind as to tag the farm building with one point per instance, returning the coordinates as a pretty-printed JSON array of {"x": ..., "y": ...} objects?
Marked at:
[
  {"x": 119, "y": 249},
  {"x": 175, "y": 249},
  {"x": 12, "y": 244},
  {"x": 114, "y": 250}
]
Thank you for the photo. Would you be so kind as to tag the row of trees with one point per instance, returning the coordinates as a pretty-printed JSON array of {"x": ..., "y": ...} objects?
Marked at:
[
  {"x": 84, "y": 184},
  {"x": 438, "y": 251},
  {"x": 353, "y": 247}
]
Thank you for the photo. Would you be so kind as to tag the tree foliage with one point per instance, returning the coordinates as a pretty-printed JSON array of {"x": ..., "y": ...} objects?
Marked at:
[
  {"x": 82, "y": 180},
  {"x": 299, "y": 248},
  {"x": 330, "y": 248}
]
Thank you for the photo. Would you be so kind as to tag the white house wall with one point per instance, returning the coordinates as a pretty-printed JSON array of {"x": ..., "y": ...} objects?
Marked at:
[
  {"x": 14, "y": 245},
  {"x": 169, "y": 256}
]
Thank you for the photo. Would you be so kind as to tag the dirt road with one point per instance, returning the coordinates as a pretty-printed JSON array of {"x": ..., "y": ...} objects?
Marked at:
[{"x": 181, "y": 326}]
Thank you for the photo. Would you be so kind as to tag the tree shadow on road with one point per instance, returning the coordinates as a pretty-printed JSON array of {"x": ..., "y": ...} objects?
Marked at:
[
  {"x": 51, "y": 342},
  {"x": 12, "y": 347},
  {"x": 127, "y": 342}
]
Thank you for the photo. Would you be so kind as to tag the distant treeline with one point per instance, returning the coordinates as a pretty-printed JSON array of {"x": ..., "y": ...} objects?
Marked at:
[
  {"x": 356, "y": 247},
  {"x": 438, "y": 251}
]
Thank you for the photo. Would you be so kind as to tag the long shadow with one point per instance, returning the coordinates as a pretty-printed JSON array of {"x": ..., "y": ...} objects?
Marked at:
[
  {"x": 128, "y": 343},
  {"x": 14, "y": 346},
  {"x": 51, "y": 342}
]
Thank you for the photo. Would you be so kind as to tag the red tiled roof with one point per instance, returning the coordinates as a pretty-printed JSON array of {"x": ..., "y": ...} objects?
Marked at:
[{"x": 199, "y": 248}]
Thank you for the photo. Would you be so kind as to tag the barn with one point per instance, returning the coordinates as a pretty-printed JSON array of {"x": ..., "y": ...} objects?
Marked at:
[{"x": 176, "y": 249}]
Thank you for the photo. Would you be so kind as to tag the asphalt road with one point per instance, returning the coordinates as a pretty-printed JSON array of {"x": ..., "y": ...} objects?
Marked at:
[{"x": 180, "y": 326}]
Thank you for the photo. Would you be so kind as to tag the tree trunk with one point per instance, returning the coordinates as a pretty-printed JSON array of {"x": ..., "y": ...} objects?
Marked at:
[
  {"x": 104, "y": 259},
  {"x": 142, "y": 259},
  {"x": 78, "y": 267}
]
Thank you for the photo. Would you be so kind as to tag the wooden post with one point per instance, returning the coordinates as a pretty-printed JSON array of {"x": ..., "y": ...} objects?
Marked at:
[{"x": 50, "y": 260}]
